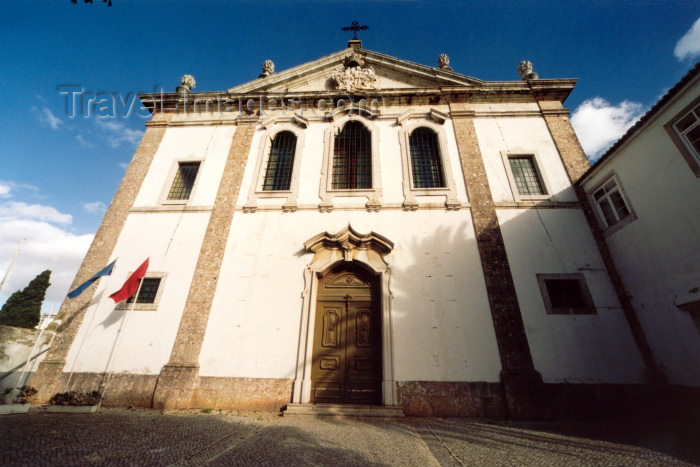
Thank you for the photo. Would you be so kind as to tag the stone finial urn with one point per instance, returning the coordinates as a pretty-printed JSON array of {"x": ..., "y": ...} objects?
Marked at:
[
  {"x": 268, "y": 68},
  {"x": 187, "y": 83},
  {"x": 444, "y": 62},
  {"x": 525, "y": 70}
]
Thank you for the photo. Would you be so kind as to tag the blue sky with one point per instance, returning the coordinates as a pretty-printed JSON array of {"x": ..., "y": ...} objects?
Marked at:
[{"x": 57, "y": 173}]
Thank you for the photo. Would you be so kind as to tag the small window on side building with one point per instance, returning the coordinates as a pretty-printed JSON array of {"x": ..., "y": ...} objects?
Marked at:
[
  {"x": 612, "y": 206},
  {"x": 183, "y": 181},
  {"x": 565, "y": 294},
  {"x": 684, "y": 131},
  {"x": 688, "y": 127}
]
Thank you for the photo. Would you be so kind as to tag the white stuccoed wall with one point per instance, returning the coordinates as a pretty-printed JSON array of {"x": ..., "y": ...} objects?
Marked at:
[
  {"x": 210, "y": 144},
  {"x": 565, "y": 348},
  {"x": 441, "y": 319},
  {"x": 520, "y": 136},
  {"x": 442, "y": 326},
  {"x": 253, "y": 330},
  {"x": 597, "y": 348},
  {"x": 658, "y": 254},
  {"x": 172, "y": 241}
]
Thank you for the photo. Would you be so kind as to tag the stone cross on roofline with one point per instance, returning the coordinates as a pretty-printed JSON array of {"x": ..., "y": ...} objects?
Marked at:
[{"x": 355, "y": 42}]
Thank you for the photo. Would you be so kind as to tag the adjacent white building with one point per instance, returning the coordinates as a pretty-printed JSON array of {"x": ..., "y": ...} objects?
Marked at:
[{"x": 645, "y": 193}]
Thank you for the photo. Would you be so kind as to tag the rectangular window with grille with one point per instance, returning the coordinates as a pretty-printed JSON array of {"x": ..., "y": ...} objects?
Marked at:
[
  {"x": 148, "y": 290},
  {"x": 611, "y": 204},
  {"x": 278, "y": 174},
  {"x": 426, "y": 163},
  {"x": 526, "y": 176},
  {"x": 183, "y": 181},
  {"x": 352, "y": 158}
]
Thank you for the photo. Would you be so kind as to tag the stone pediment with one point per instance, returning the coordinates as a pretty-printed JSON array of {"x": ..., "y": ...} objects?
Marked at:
[{"x": 355, "y": 70}]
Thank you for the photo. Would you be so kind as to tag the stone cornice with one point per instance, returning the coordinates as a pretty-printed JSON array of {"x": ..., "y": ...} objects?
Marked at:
[{"x": 201, "y": 102}]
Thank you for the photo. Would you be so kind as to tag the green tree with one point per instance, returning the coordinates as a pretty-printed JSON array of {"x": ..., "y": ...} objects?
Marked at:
[{"x": 23, "y": 308}]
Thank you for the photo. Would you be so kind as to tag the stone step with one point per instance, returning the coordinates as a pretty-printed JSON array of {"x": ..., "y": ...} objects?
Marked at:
[{"x": 343, "y": 410}]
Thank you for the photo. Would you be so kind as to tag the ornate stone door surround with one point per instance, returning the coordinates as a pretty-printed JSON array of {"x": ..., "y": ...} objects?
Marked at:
[{"x": 367, "y": 251}]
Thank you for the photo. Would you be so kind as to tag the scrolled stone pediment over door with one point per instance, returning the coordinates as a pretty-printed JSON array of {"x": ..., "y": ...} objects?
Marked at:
[{"x": 351, "y": 267}]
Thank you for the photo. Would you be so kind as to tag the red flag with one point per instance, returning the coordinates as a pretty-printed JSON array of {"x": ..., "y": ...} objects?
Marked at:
[{"x": 131, "y": 285}]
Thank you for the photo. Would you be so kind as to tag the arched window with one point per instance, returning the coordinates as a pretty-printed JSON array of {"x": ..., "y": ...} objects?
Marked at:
[
  {"x": 278, "y": 174},
  {"x": 426, "y": 163},
  {"x": 352, "y": 158}
]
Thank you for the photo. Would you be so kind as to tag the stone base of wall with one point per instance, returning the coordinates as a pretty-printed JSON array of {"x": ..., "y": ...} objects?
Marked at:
[
  {"x": 552, "y": 401},
  {"x": 417, "y": 398},
  {"x": 268, "y": 394},
  {"x": 123, "y": 390},
  {"x": 452, "y": 399},
  {"x": 130, "y": 390}
]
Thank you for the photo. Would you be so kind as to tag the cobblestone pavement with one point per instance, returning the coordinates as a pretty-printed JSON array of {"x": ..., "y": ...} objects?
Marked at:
[{"x": 149, "y": 437}]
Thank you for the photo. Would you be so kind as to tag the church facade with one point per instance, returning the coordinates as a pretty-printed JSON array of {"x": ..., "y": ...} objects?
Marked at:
[{"x": 358, "y": 229}]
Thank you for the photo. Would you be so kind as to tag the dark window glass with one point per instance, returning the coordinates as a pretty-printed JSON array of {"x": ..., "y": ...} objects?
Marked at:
[
  {"x": 278, "y": 174},
  {"x": 611, "y": 203},
  {"x": 147, "y": 292},
  {"x": 352, "y": 158},
  {"x": 686, "y": 122},
  {"x": 688, "y": 128},
  {"x": 527, "y": 180},
  {"x": 426, "y": 163},
  {"x": 693, "y": 137},
  {"x": 565, "y": 293},
  {"x": 184, "y": 180}
]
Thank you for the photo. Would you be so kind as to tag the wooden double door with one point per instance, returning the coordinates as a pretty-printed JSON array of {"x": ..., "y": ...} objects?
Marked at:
[{"x": 347, "y": 364}]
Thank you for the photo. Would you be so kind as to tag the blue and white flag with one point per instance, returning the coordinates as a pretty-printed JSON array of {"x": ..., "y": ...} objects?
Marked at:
[{"x": 105, "y": 272}]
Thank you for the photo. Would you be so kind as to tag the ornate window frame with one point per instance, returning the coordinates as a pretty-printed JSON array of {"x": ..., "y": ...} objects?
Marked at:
[
  {"x": 367, "y": 250},
  {"x": 326, "y": 191},
  {"x": 536, "y": 161},
  {"x": 170, "y": 178},
  {"x": 256, "y": 192},
  {"x": 410, "y": 203}
]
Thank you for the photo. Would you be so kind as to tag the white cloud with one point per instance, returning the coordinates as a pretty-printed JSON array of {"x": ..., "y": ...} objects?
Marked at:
[
  {"x": 46, "y": 116},
  {"x": 46, "y": 247},
  {"x": 39, "y": 212},
  {"x": 83, "y": 142},
  {"x": 96, "y": 207},
  {"x": 9, "y": 188},
  {"x": 689, "y": 45},
  {"x": 118, "y": 133},
  {"x": 599, "y": 124}
]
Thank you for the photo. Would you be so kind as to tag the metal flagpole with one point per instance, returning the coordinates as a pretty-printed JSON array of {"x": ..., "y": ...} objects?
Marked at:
[
  {"x": 106, "y": 378},
  {"x": 87, "y": 331},
  {"x": 29, "y": 357},
  {"x": 7, "y": 273}
]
